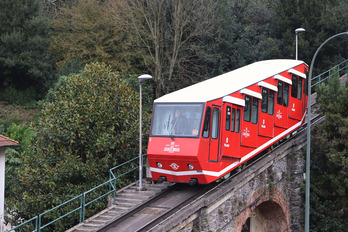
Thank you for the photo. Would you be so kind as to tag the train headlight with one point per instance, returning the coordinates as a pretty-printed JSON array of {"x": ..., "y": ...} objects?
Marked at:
[
  {"x": 159, "y": 165},
  {"x": 190, "y": 166}
]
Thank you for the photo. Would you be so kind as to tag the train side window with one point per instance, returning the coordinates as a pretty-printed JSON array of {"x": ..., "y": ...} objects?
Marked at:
[
  {"x": 247, "y": 109},
  {"x": 206, "y": 125},
  {"x": 255, "y": 110},
  {"x": 228, "y": 118},
  {"x": 271, "y": 103},
  {"x": 294, "y": 87},
  {"x": 286, "y": 95},
  {"x": 233, "y": 119},
  {"x": 299, "y": 92},
  {"x": 238, "y": 121},
  {"x": 305, "y": 88},
  {"x": 280, "y": 93},
  {"x": 215, "y": 126},
  {"x": 264, "y": 101}
]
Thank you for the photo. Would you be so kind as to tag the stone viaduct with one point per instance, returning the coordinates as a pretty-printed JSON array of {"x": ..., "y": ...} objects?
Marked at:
[{"x": 264, "y": 197}]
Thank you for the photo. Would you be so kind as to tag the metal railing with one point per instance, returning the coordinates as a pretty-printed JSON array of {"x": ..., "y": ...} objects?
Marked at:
[
  {"x": 341, "y": 69},
  {"x": 79, "y": 203},
  {"x": 36, "y": 222}
]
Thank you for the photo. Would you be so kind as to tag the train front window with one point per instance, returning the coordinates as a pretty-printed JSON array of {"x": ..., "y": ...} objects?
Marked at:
[{"x": 182, "y": 120}]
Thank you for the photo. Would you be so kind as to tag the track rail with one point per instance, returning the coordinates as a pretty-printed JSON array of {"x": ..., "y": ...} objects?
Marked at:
[{"x": 150, "y": 213}]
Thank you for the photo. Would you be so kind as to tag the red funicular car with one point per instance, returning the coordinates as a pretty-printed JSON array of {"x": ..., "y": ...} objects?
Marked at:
[{"x": 202, "y": 132}]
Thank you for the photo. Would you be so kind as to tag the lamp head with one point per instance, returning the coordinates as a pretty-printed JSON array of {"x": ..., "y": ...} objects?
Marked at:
[
  {"x": 299, "y": 30},
  {"x": 144, "y": 77}
]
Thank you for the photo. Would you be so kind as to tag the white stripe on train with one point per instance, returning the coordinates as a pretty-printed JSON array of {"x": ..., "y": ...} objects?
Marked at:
[{"x": 230, "y": 167}]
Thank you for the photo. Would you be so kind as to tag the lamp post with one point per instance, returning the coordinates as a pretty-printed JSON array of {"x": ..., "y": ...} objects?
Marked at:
[
  {"x": 308, "y": 155},
  {"x": 298, "y": 30},
  {"x": 141, "y": 79}
]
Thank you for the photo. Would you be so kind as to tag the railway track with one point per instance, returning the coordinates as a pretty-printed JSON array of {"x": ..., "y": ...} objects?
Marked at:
[{"x": 149, "y": 214}]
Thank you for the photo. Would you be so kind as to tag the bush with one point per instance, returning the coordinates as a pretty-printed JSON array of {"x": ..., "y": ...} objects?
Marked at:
[{"x": 90, "y": 125}]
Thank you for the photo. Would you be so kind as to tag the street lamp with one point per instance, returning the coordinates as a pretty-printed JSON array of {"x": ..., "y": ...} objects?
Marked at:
[
  {"x": 141, "y": 79},
  {"x": 308, "y": 155},
  {"x": 298, "y": 30}
]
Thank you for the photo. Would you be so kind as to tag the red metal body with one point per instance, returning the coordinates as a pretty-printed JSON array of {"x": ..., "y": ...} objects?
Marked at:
[{"x": 226, "y": 120}]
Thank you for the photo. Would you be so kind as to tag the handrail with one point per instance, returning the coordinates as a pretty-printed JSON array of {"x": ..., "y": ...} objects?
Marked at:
[
  {"x": 113, "y": 178},
  {"x": 325, "y": 75},
  {"x": 82, "y": 199}
]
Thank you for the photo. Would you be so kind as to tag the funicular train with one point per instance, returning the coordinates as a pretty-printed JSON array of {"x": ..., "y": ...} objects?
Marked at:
[{"x": 202, "y": 132}]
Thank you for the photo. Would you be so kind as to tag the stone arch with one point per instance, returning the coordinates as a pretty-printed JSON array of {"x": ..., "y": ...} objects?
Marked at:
[{"x": 265, "y": 211}]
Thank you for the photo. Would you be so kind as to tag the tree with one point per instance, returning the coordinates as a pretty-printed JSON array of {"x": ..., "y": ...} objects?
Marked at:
[
  {"x": 24, "y": 36},
  {"x": 174, "y": 36},
  {"x": 245, "y": 33},
  {"x": 89, "y": 127},
  {"x": 85, "y": 31},
  {"x": 321, "y": 19},
  {"x": 329, "y": 179}
]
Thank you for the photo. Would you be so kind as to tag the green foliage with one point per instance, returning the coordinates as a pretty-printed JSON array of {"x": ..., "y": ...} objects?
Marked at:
[
  {"x": 12, "y": 95},
  {"x": 86, "y": 31},
  {"x": 23, "y": 134},
  {"x": 321, "y": 19},
  {"x": 24, "y": 34},
  {"x": 245, "y": 34},
  {"x": 330, "y": 160},
  {"x": 91, "y": 126}
]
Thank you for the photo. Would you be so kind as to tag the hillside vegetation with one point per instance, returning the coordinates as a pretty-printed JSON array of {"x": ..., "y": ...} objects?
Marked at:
[{"x": 69, "y": 68}]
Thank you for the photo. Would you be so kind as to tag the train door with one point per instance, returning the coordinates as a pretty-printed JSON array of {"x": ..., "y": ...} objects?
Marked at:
[
  {"x": 281, "y": 108},
  {"x": 266, "y": 121},
  {"x": 230, "y": 135},
  {"x": 296, "y": 103},
  {"x": 214, "y": 137},
  {"x": 249, "y": 132}
]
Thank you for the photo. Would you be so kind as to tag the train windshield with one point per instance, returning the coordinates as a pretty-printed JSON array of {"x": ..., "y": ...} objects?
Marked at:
[{"x": 177, "y": 120}]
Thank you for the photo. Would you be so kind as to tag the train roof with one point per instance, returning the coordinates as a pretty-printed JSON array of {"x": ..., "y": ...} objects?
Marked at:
[{"x": 225, "y": 84}]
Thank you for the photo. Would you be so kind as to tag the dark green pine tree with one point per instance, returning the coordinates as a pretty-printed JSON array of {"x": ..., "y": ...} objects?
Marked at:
[
  {"x": 329, "y": 164},
  {"x": 24, "y": 38}
]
